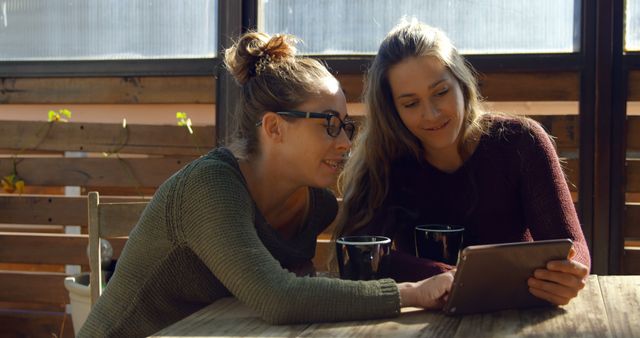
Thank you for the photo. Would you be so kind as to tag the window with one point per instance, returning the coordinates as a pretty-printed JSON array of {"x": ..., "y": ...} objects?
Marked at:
[
  {"x": 632, "y": 26},
  {"x": 51, "y": 30},
  {"x": 475, "y": 26}
]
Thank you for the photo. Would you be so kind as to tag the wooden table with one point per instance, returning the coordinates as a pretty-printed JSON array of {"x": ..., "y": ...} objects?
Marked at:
[{"x": 609, "y": 306}]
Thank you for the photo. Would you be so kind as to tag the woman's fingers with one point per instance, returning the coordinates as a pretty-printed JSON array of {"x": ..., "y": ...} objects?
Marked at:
[
  {"x": 560, "y": 282},
  {"x": 553, "y": 288},
  {"x": 567, "y": 279},
  {"x": 433, "y": 290},
  {"x": 550, "y": 297},
  {"x": 569, "y": 266}
]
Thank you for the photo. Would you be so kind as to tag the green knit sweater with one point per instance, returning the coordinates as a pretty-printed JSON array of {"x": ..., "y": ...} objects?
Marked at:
[{"x": 202, "y": 238}]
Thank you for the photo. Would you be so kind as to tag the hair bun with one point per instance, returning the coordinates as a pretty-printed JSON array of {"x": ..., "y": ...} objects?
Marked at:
[{"x": 256, "y": 53}]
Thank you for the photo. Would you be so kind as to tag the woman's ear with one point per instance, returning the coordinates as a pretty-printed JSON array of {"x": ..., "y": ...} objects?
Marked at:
[{"x": 272, "y": 126}]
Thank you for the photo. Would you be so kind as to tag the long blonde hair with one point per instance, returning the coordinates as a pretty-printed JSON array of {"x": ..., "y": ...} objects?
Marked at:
[{"x": 384, "y": 138}]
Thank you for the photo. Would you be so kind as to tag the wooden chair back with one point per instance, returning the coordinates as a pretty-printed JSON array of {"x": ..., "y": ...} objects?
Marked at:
[{"x": 107, "y": 220}]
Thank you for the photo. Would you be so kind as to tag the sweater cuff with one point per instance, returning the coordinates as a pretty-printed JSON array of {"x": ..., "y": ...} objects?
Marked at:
[{"x": 390, "y": 295}]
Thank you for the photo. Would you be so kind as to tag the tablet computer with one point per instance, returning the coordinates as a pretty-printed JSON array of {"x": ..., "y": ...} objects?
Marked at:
[{"x": 494, "y": 277}]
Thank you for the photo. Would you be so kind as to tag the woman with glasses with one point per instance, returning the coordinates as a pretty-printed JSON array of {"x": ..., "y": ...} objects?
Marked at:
[
  {"x": 428, "y": 154},
  {"x": 243, "y": 220}
]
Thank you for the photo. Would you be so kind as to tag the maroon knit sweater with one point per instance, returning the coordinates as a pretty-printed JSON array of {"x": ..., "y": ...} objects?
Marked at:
[{"x": 512, "y": 188}]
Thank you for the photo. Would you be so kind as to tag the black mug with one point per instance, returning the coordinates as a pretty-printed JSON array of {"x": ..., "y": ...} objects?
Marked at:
[
  {"x": 439, "y": 242},
  {"x": 363, "y": 257}
]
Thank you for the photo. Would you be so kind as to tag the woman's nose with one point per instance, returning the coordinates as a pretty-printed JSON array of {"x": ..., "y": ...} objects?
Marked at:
[
  {"x": 342, "y": 141},
  {"x": 431, "y": 112}
]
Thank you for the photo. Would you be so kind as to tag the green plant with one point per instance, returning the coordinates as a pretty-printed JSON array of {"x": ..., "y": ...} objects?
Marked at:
[{"x": 13, "y": 182}]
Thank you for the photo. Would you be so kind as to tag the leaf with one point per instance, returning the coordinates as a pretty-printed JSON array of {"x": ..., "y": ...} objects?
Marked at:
[
  {"x": 66, "y": 112},
  {"x": 7, "y": 183},
  {"x": 58, "y": 116},
  {"x": 19, "y": 185}
]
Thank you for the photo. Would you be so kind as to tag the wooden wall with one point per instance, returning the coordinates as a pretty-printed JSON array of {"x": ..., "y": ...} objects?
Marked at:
[{"x": 33, "y": 247}]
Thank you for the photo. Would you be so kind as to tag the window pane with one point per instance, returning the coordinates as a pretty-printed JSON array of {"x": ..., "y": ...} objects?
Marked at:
[
  {"x": 632, "y": 26},
  {"x": 107, "y": 29},
  {"x": 475, "y": 26}
]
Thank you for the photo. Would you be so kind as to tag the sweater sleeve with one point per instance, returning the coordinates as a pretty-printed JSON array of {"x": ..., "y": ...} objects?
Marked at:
[
  {"x": 215, "y": 218},
  {"x": 549, "y": 212}
]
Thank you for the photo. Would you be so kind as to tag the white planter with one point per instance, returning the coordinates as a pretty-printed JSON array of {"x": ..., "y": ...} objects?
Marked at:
[{"x": 79, "y": 297}]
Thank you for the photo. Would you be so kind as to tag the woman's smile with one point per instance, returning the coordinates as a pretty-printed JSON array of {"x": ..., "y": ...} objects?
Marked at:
[{"x": 439, "y": 126}]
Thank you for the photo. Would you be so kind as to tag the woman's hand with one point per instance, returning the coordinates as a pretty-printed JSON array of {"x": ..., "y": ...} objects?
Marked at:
[
  {"x": 560, "y": 281},
  {"x": 429, "y": 293}
]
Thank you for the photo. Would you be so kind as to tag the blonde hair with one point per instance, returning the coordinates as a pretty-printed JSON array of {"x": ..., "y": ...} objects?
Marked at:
[
  {"x": 272, "y": 79},
  {"x": 364, "y": 182}
]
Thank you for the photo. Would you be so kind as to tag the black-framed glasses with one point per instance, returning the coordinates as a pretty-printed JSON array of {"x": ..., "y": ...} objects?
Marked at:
[{"x": 334, "y": 122}]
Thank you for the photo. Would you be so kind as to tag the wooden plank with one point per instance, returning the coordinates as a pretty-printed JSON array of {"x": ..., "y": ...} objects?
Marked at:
[
  {"x": 631, "y": 262},
  {"x": 16, "y": 323},
  {"x": 48, "y": 210},
  {"x": 110, "y": 172},
  {"x": 633, "y": 175},
  {"x": 55, "y": 210},
  {"x": 566, "y": 132},
  {"x": 633, "y": 136},
  {"x": 571, "y": 169},
  {"x": 323, "y": 252},
  {"x": 131, "y": 192},
  {"x": 556, "y": 86},
  {"x": 112, "y": 90},
  {"x": 622, "y": 300},
  {"x": 631, "y": 226},
  {"x": 49, "y": 248},
  {"x": 230, "y": 316},
  {"x": 120, "y": 218},
  {"x": 103, "y": 137},
  {"x": 584, "y": 316},
  {"x": 412, "y": 322},
  {"x": 633, "y": 92},
  {"x": 33, "y": 287},
  {"x": 42, "y": 229},
  {"x": 32, "y": 267},
  {"x": 10, "y": 306}
]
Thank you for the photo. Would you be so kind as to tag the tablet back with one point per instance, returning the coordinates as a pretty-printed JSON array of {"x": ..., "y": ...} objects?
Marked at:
[{"x": 494, "y": 277}]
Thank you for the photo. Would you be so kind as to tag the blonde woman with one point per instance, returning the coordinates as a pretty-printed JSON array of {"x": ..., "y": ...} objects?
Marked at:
[
  {"x": 428, "y": 153},
  {"x": 242, "y": 221}
]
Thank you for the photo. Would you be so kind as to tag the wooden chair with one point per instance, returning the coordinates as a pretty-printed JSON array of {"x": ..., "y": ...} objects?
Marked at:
[{"x": 107, "y": 220}]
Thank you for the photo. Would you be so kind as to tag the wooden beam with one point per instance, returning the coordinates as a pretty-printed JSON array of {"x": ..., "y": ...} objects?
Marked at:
[
  {"x": 120, "y": 217},
  {"x": 19, "y": 136},
  {"x": 33, "y": 287},
  {"x": 20, "y": 323},
  {"x": 556, "y": 86},
  {"x": 631, "y": 226},
  {"x": 49, "y": 210},
  {"x": 633, "y": 136},
  {"x": 56, "y": 210},
  {"x": 572, "y": 172},
  {"x": 112, "y": 90},
  {"x": 631, "y": 262},
  {"x": 110, "y": 172},
  {"x": 633, "y": 175},
  {"x": 564, "y": 129},
  {"x": 49, "y": 248},
  {"x": 633, "y": 93},
  {"x": 505, "y": 86}
]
